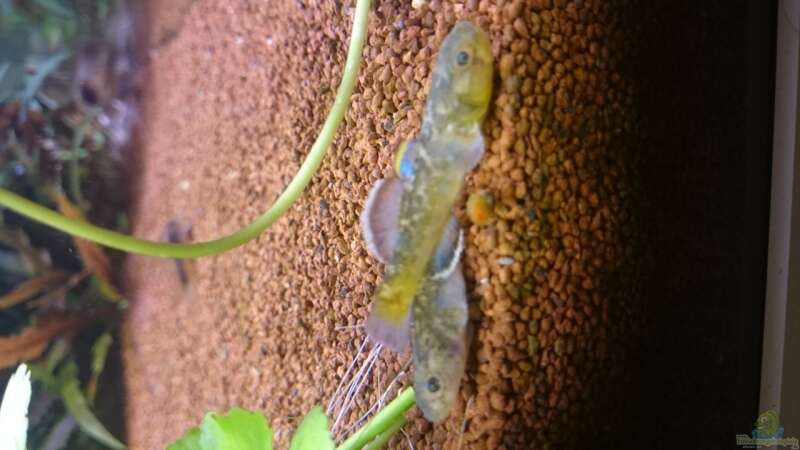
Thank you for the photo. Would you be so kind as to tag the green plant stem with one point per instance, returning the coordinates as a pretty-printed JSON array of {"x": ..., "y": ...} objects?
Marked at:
[
  {"x": 312, "y": 162},
  {"x": 383, "y": 438},
  {"x": 382, "y": 422}
]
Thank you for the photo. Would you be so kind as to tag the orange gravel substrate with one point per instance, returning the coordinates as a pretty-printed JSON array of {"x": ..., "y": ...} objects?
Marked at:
[{"x": 234, "y": 100}]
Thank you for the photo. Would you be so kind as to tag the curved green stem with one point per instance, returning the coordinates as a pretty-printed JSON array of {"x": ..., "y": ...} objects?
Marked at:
[
  {"x": 127, "y": 243},
  {"x": 385, "y": 420}
]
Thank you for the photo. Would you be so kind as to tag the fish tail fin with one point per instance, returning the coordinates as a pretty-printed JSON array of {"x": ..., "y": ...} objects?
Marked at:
[
  {"x": 389, "y": 321},
  {"x": 391, "y": 335}
]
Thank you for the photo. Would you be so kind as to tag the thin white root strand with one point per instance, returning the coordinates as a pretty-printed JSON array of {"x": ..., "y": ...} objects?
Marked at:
[
  {"x": 380, "y": 402},
  {"x": 356, "y": 384},
  {"x": 349, "y": 327},
  {"x": 464, "y": 421},
  {"x": 408, "y": 439},
  {"x": 335, "y": 397}
]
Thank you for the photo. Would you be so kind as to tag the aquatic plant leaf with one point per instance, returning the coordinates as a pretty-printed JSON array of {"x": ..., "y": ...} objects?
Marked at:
[
  {"x": 99, "y": 355},
  {"x": 313, "y": 434},
  {"x": 59, "y": 435},
  {"x": 32, "y": 287},
  {"x": 43, "y": 68},
  {"x": 92, "y": 255},
  {"x": 33, "y": 260},
  {"x": 239, "y": 429},
  {"x": 15, "y": 48},
  {"x": 14, "y": 410},
  {"x": 31, "y": 342},
  {"x": 78, "y": 407},
  {"x": 190, "y": 441}
]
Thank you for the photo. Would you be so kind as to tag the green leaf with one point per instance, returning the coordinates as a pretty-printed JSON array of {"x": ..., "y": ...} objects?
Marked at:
[
  {"x": 237, "y": 430},
  {"x": 313, "y": 433},
  {"x": 100, "y": 352},
  {"x": 189, "y": 441},
  {"x": 79, "y": 408}
]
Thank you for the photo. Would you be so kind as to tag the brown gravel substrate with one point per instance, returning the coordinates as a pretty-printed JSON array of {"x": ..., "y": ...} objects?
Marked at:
[{"x": 233, "y": 103}]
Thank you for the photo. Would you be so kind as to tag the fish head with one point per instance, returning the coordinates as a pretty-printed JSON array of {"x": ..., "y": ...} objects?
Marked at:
[
  {"x": 437, "y": 377},
  {"x": 462, "y": 75}
]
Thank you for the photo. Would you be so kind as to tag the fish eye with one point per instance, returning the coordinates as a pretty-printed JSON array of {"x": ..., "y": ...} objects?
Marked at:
[
  {"x": 433, "y": 384},
  {"x": 462, "y": 58}
]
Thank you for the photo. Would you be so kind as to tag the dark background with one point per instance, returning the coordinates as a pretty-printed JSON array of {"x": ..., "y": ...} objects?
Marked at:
[{"x": 706, "y": 73}]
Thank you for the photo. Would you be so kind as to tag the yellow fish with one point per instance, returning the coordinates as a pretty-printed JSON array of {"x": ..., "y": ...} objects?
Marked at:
[{"x": 416, "y": 207}]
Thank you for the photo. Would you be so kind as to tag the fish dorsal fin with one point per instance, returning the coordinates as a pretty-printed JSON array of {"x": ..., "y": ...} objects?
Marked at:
[
  {"x": 448, "y": 253},
  {"x": 379, "y": 218}
]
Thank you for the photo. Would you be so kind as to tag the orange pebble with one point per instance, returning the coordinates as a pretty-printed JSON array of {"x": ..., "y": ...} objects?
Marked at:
[{"x": 479, "y": 207}]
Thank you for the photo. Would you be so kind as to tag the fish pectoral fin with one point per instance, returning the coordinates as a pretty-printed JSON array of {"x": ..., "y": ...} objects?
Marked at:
[
  {"x": 448, "y": 253},
  {"x": 404, "y": 161},
  {"x": 379, "y": 218}
]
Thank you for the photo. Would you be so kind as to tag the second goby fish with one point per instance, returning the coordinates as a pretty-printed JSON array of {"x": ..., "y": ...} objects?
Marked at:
[
  {"x": 450, "y": 144},
  {"x": 439, "y": 343}
]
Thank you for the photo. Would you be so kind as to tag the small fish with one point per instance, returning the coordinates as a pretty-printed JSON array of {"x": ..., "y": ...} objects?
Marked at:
[
  {"x": 432, "y": 168},
  {"x": 440, "y": 316},
  {"x": 439, "y": 340},
  {"x": 175, "y": 233}
]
